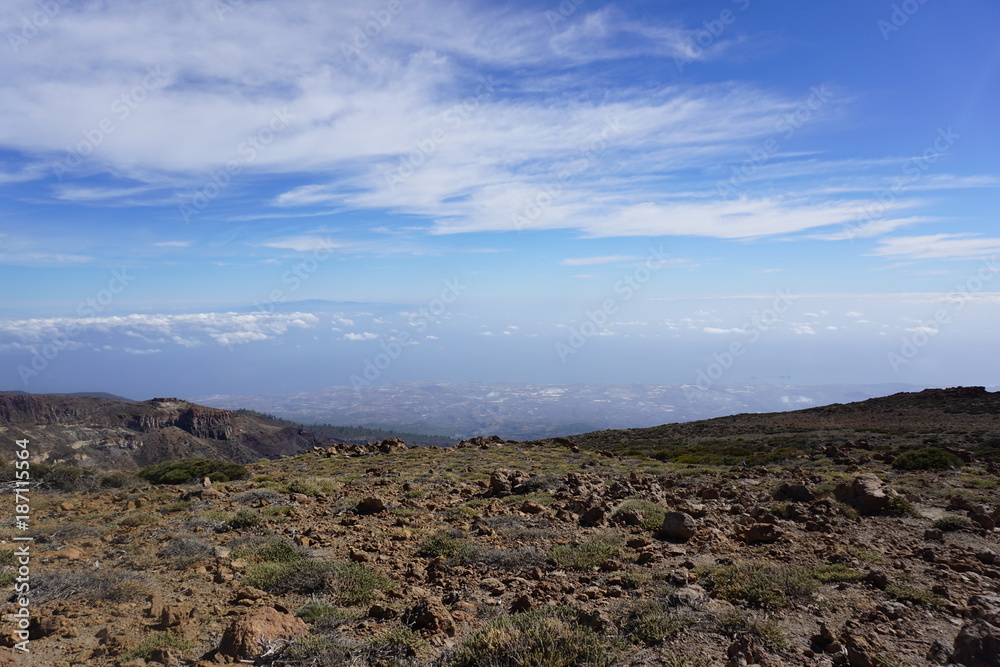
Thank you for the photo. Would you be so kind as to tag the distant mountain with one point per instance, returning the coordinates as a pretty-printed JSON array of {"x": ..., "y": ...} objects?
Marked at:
[
  {"x": 97, "y": 430},
  {"x": 91, "y": 394},
  {"x": 359, "y": 435},
  {"x": 532, "y": 411},
  {"x": 964, "y": 418}
]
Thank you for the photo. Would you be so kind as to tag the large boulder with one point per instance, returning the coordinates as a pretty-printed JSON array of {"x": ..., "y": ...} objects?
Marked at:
[
  {"x": 678, "y": 526},
  {"x": 866, "y": 494},
  {"x": 977, "y": 645},
  {"x": 245, "y": 637},
  {"x": 430, "y": 616}
]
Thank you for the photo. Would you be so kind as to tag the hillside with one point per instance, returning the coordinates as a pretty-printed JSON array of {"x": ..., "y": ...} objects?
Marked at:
[
  {"x": 966, "y": 419},
  {"x": 99, "y": 431}
]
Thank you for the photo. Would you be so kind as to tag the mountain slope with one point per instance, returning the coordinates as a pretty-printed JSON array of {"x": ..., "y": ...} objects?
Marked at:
[
  {"x": 960, "y": 417},
  {"x": 88, "y": 430}
]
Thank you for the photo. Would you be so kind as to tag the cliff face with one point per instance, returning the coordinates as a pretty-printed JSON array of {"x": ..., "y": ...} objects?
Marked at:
[{"x": 101, "y": 431}]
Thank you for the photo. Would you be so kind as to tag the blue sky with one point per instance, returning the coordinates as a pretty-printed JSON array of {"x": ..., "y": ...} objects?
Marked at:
[{"x": 248, "y": 194}]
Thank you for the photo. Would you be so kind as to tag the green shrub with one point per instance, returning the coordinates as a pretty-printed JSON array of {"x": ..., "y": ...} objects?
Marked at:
[
  {"x": 928, "y": 458},
  {"x": 7, "y": 557},
  {"x": 270, "y": 550},
  {"x": 829, "y": 574},
  {"x": 137, "y": 518},
  {"x": 768, "y": 632},
  {"x": 652, "y": 513},
  {"x": 245, "y": 518},
  {"x": 300, "y": 576},
  {"x": 7, "y": 577},
  {"x": 760, "y": 584},
  {"x": 354, "y": 583},
  {"x": 186, "y": 470},
  {"x": 952, "y": 523},
  {"x": 160, "y": 640},
  {"x": 349, "y": 583},
  {"x": 315, "y": 651},
  {"x": 396, "y": 645},
  {"x": 652, "y": 623},
  {"x": 907, "y": 593},
  {"x": 449, "y": 544},
  {"x": 900, "y": 506},
  {"x": 317, "y": 611},
  {"x": 543, "y": 637},
  {"x": 585, "y": 555}
]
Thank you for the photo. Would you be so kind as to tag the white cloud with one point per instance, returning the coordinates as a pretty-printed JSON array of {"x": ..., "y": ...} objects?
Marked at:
[
  {"x": 590, "y": 261},
  {"x": 716, "y": 330},
  {"x": 365, "y": 335},
  {"x": 802, "y": 329},
  {"x": 304, "y": 243},
  {"x": 938, "y": 246},
  {"x": 186, "y": 330}
]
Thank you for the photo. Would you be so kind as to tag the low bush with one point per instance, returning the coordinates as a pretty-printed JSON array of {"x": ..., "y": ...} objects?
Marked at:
[
  {"x": 448, "y": 544},
  {"x": 269, "y": 550},
  {"x": 160, "y": 640},
  {"x": 544, "y": 637},
  {"x": 928, "y": 458},
  {"x": 245, "y": 518},
  {"x": 762, "y": 585},
  {"x": 952, "y": 523},
  {"x": 186, "y": 470},
  {"x": 107, "y": 585},
  {"x": 585, "y": 555},
  {"x": 187, "y": 550},
  {"x": 907, "y": 593},
  {"x": 829, "y": 574},
  {"x": 349, "y": 583},
  {"x": 652, "y": 513},
  {"x": 651, "y": 623}
]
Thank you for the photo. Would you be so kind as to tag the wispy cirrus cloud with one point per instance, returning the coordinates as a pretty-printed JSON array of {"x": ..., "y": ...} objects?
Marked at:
[{"x": 938, "y": 246}]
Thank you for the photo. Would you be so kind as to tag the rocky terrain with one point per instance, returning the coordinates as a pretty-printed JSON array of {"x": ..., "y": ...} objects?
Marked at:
[
  {"x": 851, "y": 550},
  {"x": 99, "y": 431}
]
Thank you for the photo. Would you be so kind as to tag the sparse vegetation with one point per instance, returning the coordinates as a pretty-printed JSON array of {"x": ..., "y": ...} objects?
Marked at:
[
  {"x": 549, "y": 637},
  {"x": 652, "y": 513},
  {"x": 952, "y": 523},
  {"x": 928, "y": 458},
  {"x": 186, "y": 470},
  {"x": 585, "y": 555},
  {"x": 761, "y": 584},
  {"x": 908, "y": 593},
  {"x": 160, "y": 640}
]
